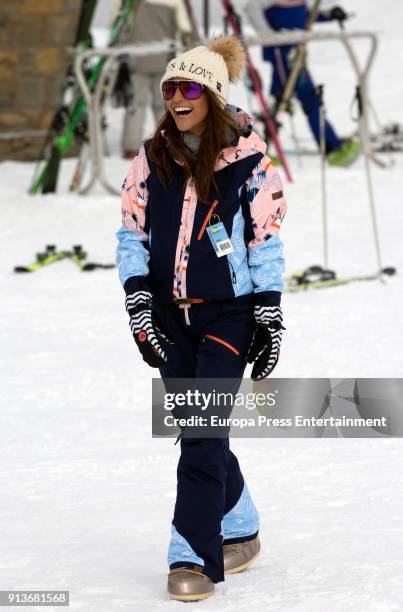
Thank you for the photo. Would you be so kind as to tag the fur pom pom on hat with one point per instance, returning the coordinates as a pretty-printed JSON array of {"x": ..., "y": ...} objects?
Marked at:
[
  {"x": 214, "y": 66},
  {"x": 233, "y": 54}
]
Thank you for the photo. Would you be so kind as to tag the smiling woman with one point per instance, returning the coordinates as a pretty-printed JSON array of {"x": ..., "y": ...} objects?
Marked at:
[
  {"x": 197, "y": 115},
  {"x": 187, "y": 104},
  {"x": 212, "y": 201},
  {"x": 185, "y": 123}
]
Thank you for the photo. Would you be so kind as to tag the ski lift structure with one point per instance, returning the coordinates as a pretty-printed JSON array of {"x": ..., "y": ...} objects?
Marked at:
[
  {"x": 94, "y": 100},
  {"x": 362, "y": 73}
]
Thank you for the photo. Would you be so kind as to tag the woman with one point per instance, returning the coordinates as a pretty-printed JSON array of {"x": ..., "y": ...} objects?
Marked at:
[{"x": 200, "y": 260}]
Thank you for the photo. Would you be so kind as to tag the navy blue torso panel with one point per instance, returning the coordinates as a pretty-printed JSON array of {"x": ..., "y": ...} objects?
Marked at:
[{"x": 207, "y": 275}]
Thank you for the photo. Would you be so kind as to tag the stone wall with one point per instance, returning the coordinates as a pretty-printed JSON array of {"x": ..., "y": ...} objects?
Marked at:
[{"x": 35, "y": 36}]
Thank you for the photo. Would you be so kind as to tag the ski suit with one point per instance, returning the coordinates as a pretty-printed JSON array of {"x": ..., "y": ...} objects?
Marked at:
[
  {"x": 291, "y": 15},
  {"x": 164, "y": 247}
]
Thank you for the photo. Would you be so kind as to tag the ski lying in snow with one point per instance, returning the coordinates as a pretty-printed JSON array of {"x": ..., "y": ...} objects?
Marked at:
[
  {"x": 77, "y": 255},
  {"x": 389, "y": 139},
  {"x": 316, "y": 277},
  {"x": 43, "y": 258}
]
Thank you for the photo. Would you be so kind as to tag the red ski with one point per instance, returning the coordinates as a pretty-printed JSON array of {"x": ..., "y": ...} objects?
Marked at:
[{"x": 234, "y": 20}]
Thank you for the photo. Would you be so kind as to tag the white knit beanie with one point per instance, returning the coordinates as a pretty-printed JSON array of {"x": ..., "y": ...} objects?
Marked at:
[{"x": 214, "y": 66}]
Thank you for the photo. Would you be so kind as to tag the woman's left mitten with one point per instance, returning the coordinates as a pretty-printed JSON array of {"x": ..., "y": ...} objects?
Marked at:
[
  {"x": 146, "y": 328},
  {"x": 264, "y": 351}
]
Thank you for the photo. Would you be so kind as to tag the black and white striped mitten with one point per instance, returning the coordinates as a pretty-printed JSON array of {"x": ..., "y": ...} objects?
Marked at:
[
  {"x": 146, "y": 328},
  {"x": 265, "y": 348}
]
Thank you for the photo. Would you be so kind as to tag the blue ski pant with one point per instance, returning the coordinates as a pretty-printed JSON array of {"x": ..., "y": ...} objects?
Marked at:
[
  {"x": 210, "y": 485},
  {"x": 305, "y": 91}
]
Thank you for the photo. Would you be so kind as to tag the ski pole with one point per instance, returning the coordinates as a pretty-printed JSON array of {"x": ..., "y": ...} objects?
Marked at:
[
  {"x": 322, "y": 125},
  {"x": 283, "y": 78},
  {"x": 192, "y": 19},
  {"x": 270, "y": 125},
  {"x": 298, "y": 61},
  {"x": 206, "y": 17},
  {"x": 367, "y": 156}
]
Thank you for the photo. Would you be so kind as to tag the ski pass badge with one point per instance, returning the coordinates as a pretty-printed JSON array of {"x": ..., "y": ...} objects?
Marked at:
[{"x": 219, "y": 238}]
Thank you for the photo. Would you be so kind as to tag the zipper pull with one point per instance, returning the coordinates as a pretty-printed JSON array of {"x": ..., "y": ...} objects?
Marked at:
[
  {"x": 207, "y": 219},
  {"x": 233, "y": 275}
]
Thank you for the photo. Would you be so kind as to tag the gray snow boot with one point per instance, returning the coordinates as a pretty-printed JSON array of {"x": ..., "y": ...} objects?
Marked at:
[
  {"x": 239, "y": 556},
  {"x": 187, "y": 584}
]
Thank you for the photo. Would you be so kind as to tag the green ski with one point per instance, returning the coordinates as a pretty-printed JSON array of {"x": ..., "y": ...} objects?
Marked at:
[
  {"x": 67, "y": 119},
  {"x": 79, "y": 257},
  {"x": 316, "y": 277},
  {"x": 43, "y": 258},
  {"x": 51, "y": 255}
]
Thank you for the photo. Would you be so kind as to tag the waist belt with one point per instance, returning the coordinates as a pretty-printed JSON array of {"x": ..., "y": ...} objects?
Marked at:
[{"x": 188, "y": 300}]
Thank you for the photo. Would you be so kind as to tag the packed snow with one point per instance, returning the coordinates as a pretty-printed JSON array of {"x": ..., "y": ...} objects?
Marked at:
[{"x": 87, "y": 495}]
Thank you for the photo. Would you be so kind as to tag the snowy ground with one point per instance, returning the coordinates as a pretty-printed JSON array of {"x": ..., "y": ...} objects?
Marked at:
[{"x": 87, "y": 495}]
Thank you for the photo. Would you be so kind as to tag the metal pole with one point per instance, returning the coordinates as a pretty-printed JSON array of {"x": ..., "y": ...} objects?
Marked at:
[
  {"x": 206, "y": 18},
  {"x": 367, "y": 156},
  {"x": 193, "y": 23},
  {"x": 298, "y": 61},
  {"x": 322, "y": 120},
  {"x": 365, "y": 139},
  {"x": 283, "y": 78},
  {"x": 98, "y": 170}
]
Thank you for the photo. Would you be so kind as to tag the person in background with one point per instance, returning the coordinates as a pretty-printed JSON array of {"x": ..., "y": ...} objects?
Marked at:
[
  {"x": 201, "y": 262},
  {"x": 153, "y": 21},
  {"x": 268, "y": 16}
]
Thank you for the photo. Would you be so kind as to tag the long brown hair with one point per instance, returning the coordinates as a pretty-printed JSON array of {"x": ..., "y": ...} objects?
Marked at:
[{"x": 220, "y": 128}]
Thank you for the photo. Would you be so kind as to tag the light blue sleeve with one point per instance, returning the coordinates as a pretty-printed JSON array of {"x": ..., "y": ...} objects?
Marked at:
[
  {"x": 132, "y": 256},
  {"x": 266, "y": 264},
  {"x": 133, "y": 240}
]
